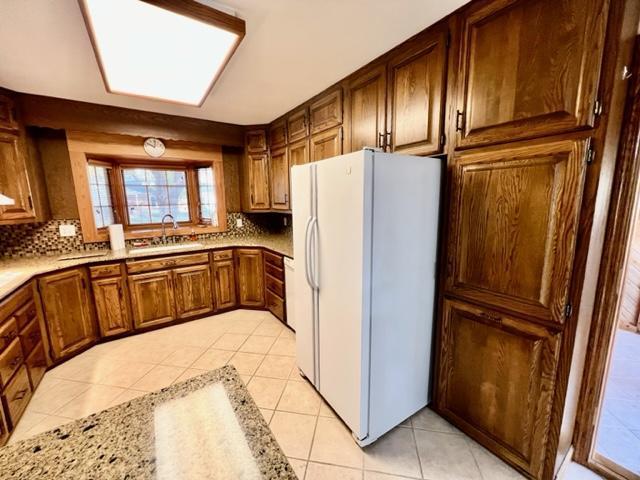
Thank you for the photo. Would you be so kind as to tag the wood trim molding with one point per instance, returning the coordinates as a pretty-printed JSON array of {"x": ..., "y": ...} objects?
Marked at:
[
  {"x": 86, "y": 145},
  {"x": 58, "y": 113},
  {"x": 621, "y": 214}
]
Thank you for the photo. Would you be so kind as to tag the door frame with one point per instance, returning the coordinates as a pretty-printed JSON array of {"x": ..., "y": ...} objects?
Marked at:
[{"x": 622, "y": 211}]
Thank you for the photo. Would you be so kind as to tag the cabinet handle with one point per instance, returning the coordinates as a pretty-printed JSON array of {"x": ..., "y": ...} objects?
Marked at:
[
  {"x": 20, "y": 394},
  {"x": 388, "y": 141},
  {"x": 9, "y": 336},
  {"x": 286, "y": 197},
  {"x": 459, "y": 121},
  {"x": 381, "y": 138},
  {"x": 15, "y": 362}
]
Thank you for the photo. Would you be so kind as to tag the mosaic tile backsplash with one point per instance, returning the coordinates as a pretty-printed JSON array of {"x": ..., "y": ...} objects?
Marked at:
[{"x": 36, "y": 239}]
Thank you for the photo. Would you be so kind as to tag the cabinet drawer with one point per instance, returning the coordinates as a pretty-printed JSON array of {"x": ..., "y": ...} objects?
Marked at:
[
  {"x": 36, "y": 365},
  {"x": 25, "y": 314},
  {"x": 274, "y": 285},
  {"x": 110, "y": 270},
  {"x": 138, "y": 266},
  {"x": 274, "y": 271},
  {"x": 9, "y": 306},
  {"x": 30, "y": 336},
  {"x": 222, "y": 255},
  {"x": 273, "y": 259},
  {"x": 10, "y": 361},
  {"x": 8, "y": 332},
  {"x": 17, "y": 395},
  {"x": 275, "y": 305}
]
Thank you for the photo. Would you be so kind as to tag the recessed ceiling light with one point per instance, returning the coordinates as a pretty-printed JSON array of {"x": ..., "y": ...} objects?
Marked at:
[{"x": 171, "y": 50}]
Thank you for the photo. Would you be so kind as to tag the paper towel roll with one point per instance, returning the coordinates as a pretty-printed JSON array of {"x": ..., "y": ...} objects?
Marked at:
[{"x": 116, "y": 237}]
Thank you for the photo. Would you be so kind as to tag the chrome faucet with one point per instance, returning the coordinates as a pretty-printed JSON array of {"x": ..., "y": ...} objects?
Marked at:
[{"x": 175, "y": 226}]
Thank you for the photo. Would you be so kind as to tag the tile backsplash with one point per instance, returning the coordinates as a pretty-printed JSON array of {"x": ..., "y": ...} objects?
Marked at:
[{"x": 35, "y": 239}]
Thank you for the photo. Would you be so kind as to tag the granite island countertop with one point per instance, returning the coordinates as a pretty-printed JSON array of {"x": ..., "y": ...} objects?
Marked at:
[
  {"x": 14, "y": 272},
  {"x": 128, "y": 440}
]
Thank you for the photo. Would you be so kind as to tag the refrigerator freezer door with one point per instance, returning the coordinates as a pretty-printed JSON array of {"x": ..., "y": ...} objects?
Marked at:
[
  {"x": 343, "y": 267},
  {"x": 304, "y": 298}
]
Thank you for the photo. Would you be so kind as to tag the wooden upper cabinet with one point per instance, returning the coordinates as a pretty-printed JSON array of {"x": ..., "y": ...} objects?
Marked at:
[
  {"x": 326, "y": 112},
  {"x": 14, "y": 180},
  {"x": 224, "y": 281},
  {"x": 152, "y": 298},
  {"x": 279, "y": 178},
  {"x": 298, "y": 125},
  {"x": 258, "y": 165},
  {"x": 250, "y": 277},
  {"x": 112, "y": 305},
  {"x": 496, "y": 381},
  {"x": 278, "y": 134},
  {"x": 364, "y": 111},
  {"x": 193, "y": 290},
  {"x": 256, "y": 141},
  {"x": 416, "y": 94},
  {"x": 529, "y": 68},
  {"x": 298, "y": 152},
  {"x": 513, "y": 226},
  {"x": 8, "y": 117},
  {"x": 326, "y": 144},
  {"x": 66, "y": 306}
]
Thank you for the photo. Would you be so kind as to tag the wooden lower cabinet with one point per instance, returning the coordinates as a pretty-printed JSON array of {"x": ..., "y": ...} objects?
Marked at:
[
  {"x": 4, "y": 428},
  {"x": 112, "y": 308},
  {"x": 496, "y": 381},
  {"x": 17, "y": 395},
  {"x": 66, "y": 304},
  {"x": 250, "y": 276},
  {"x": 152, "y": 298},
  {"x": 193, "y": 291},
  {"x": 224, "y": 282},
  {"x": 36, "y": 365}
]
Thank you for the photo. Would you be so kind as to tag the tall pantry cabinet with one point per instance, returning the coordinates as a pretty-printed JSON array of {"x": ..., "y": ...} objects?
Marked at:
[{"x": 525, "y": 103}]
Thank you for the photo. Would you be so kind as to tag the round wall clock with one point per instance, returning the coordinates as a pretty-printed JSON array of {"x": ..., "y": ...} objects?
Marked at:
[{"x": 154, "y": 147}]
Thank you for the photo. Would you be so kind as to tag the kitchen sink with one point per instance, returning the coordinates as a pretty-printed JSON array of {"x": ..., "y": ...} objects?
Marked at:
[
  {"x": 165, "y": 248},
  {"x": 79, "y": 255}
]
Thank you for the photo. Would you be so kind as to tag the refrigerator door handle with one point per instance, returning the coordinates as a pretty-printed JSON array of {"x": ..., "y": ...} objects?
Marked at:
[
  {"x": 314, "y": 251},
  {"x": 307, "y": 252}
]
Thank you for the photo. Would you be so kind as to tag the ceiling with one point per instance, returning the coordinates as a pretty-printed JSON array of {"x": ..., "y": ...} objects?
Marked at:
[{"x": 293, "y": 49}]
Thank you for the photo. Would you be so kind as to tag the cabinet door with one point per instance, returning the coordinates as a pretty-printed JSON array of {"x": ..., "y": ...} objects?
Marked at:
[
  {"x": 250, "y": 276},
  {"x": 278, "y": 134},
  {"x": 66, "y": 307},
  {"x": 298, "y": 152},
  {"x": 513, "y": 226},
  {"x": 256, "y": 141},
  {"x": 365, "y": 98},
  {"x": 258, "y": 181},
  {"x": 326, "y": 112},
  {"x": 496, "y": 381},
  {"x": 326, "y": 144},
  {"x": 112, "y": 307},
  {"x": 225, "y": 284},
  {"x": 4, "y": 428},
  {"x": 152, "y": 298},
  {"x": 279, "y": 180},
  {"x": 14, "y": 180},
  {"x": 529, "y": 68},
  {"x": 416, "y": 96},
  {"x": 193, "y": 291},
  {"x": 298, "y": 125}
]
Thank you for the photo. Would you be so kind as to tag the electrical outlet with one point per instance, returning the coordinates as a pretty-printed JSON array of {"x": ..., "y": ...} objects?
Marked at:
[
  {"x": 67, "y": 230},
  {"x": 239, "y": 222}
]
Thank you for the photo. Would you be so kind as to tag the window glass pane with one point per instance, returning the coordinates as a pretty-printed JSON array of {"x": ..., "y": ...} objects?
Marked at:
[
  {"x": 176, "y": 177},
  {"x": 100, "y": 195},
  {"x": 207, "y": 192},
  {"x": 158, "y": 196},
  {"x": 139, "y": 215},
  {"x": 154, "y": 192}
]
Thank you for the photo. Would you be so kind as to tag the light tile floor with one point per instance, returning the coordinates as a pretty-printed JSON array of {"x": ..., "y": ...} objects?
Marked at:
[
  {"x": 618, "y": 435},
  {"x": 317, "y": 443}
]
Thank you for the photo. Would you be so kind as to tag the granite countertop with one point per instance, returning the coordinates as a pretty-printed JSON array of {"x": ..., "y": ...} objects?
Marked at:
[
  {"x": 135, "y": 440},
  {"x": 15, "y": 272}
]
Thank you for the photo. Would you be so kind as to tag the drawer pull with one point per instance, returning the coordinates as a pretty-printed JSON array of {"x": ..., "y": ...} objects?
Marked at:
[
  {"x": 34, "y": 336},
  {"x": 15, "y": 362},
  {"x": 20, "y": 394},
  {"x": 9, "y": 336}
]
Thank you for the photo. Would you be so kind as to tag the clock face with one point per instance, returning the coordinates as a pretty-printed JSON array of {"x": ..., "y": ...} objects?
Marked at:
[{"x": 154, "y": 147}]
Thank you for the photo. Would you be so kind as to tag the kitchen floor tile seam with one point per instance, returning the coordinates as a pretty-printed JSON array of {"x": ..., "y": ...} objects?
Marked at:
[
  {"x": 415, "y": 444},
  {"x": 469, "y": 441},
  {"x": 361, "y": 470},
  {"x": 54, "y": 412},
  {"x": 392, "y": 474}
]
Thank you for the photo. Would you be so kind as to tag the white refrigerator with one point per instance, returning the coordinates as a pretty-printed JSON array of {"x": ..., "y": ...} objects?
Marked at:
[{"x": 365, "y": 231}]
